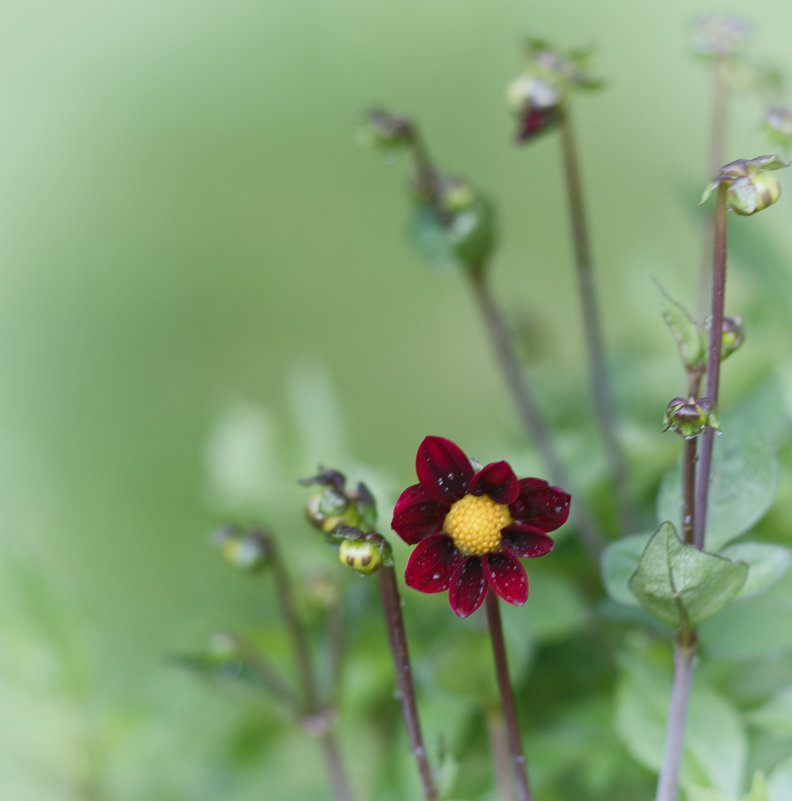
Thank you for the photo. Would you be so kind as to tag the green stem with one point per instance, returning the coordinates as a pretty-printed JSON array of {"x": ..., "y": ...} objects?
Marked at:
[
  {"x": 507, "y": 698},
  {"x": 689, "y": 489},
  {"x": 499, "y": 747},
  {"x": 684, "y": 657},
  {"x": 592, "y": 329},
  {"x": 713, "y": 362},
  {"x": 394, "y": 622},
  {"x": 317, "y": 720},
  {"x": 528, "y": 409}
]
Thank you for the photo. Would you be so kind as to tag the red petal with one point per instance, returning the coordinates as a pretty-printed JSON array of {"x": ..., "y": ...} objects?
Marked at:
[
  {"x": 507, "y": 577},
  {"x": 443, "y": 470},
  {"x": 526, "y": 542},
  {"x": 416, "y": 515},
  {"x": 540, "y": 505},
  {"x": 498, "y": 481},
  {"x": 431, "y": 564},
  {"x": 468, "y": 587}
]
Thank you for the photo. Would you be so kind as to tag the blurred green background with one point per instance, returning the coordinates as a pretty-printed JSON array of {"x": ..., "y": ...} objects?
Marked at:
[{"x": 207, "y": 289}]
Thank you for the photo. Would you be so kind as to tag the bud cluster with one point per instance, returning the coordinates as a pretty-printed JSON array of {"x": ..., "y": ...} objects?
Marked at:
[{"x": 347, "y": 518}]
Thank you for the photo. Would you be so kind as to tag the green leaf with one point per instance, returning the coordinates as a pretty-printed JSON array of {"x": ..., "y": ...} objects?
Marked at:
[
  {"x": 689, "y": 336},
  {"x": 766, "y": 565},
  {"x": 754, "y": 628},
  {"x": 776, "y": 715},
  {"x": 619, "y": 562},
  {"x": 715, "y": 743},
  {"x": 779, "y": 783},
  {"x": 681, "y": 585},
  {"x": 742, "y": 487},
  {"x": 431, "y": 240}
]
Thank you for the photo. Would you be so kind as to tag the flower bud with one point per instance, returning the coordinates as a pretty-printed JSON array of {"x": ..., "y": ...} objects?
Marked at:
[
  {"x": 720, "y": 35},
  {"x": 732, "y": 336},
  {"x": 690, "y": 417},
  {"x": 537, "y": 103},
  {"x": 751, "y": 186},
  {"x": 361, "y": 555},
  {"x": 778, "y": 126},
  {"x": 248, "y": 551},
  {"x": 384, "y": 131}
]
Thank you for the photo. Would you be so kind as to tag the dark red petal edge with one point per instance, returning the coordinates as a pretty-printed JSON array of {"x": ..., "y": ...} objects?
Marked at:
[
  {"x": 416, "y": 515},
  {"x": 540, "y": 505},
  {"x": 498, "y": 481},
  {"x": 525, "y": 542},
  {"x": 468, "y": 587},
  {"x": 507, "y": 577},
  {"x": 443, "y": 470},
  {"x": 431, "y": 564}
]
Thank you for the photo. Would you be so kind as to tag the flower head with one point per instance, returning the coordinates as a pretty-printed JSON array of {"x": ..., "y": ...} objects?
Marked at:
[
  {"x": 749, "y": 183},
  {"x": 470, "y": 528}
]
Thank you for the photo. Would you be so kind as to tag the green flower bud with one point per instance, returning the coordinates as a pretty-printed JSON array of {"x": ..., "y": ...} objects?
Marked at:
[
  {"x": 361, "y": 555},
  {"x": 248, "y": 552},
  {"x": 720, "y": 35},
  {"x": 732, "y": 336},
  {"x": 751, "y": 186},
  {"x": 689, "y": 418},
  {"x": 384, "y": 131}
]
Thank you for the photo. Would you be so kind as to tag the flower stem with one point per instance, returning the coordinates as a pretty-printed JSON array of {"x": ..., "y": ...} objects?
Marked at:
[
  {"x": 317, "y": 720},
  {"x": 394, "y": 622},
  {"x": 507, "y": 698},
  {"x": 717, "y": 156},
  {"x": 499, "y": 746},
  {"x": 684, "y": 655},
  {"x": 713, "y": 362},
  {"x": 689, "y": 489},
  {"x": 600, "y": 383},
  {"x": 527, "y": 407}
]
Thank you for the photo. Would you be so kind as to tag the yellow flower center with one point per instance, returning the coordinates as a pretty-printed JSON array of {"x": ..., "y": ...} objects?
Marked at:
[{"x": 474, "y": 523}]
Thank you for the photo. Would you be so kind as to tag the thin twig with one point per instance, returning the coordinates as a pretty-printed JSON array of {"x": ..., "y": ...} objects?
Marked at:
[
  {"x": 507, "y": 698},
  {"x": 394, "y": 622},
  {"x": 595, "y": 350},
  {"x": 528, "y": 409}
]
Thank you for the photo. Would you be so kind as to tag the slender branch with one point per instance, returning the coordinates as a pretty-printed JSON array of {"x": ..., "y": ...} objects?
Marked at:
[
  {"x": 684, "y": 655},
  {"x": 713, "y": 362},
  {"x": 689, "y": 489},
  {"x": 507, "y": 698},
  {"x": 394, "y": 622},
  {"x": 528, "y": 409},
  {"x": 317, "y": 720},
  {"x": 595, "y": 350}
]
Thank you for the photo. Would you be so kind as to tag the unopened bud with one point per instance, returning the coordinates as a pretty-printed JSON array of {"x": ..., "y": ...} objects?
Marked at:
[
  {"x": 361, "y": 555},
  {"x": 385, "y": 131},
  {"x": 751, "y": 185},
  {"x": 248, "y": 552},
  {"x": 689, "y": 418},
  {"x": 537, "y": 103},
  {"x": 732, "y": 336},
  {"x": 778, "y": 126}
]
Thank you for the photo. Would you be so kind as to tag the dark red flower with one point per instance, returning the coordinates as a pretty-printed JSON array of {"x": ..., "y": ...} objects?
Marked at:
[{"x": 470, "y": 528}]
